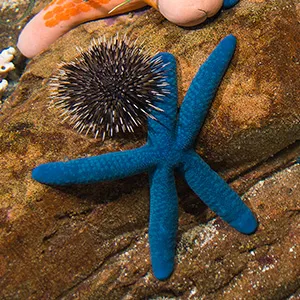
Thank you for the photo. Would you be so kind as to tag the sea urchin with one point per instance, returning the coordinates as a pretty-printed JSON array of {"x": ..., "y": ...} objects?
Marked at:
[{"x": 109, "y": 88}]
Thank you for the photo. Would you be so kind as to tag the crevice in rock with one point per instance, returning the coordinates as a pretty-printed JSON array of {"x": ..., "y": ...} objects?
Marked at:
[
  {"x": 280, "y": 161},
  {"x": 68, "y": 292},
  {"x": 49, "y": 236}
]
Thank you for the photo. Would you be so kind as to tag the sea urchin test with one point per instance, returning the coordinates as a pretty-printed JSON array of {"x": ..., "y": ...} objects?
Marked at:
[
  {"x": 109, "y": 88},
  {"x": 60, "y": 16},
  {"x": 169, "y": 148}
]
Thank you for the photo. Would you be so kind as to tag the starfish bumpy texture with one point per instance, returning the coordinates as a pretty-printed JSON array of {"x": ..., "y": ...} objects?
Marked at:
[
  {"x": 60, "y": 16},
  {"x": 170, "y": 146}
]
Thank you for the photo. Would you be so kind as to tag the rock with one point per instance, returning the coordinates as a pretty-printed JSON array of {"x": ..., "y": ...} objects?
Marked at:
[
  {"x": 14, "y": 15},
  {"x": 90, "y": 242}
]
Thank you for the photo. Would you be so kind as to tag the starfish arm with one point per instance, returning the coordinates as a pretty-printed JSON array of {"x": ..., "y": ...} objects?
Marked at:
[
  {"x": 162, "y": 126},
  {"x": 229, "y": 3},
  {"x": 202, "y": 91},
  {"x": 217, "y": 194},
  {"x": 59, "y": 17},
  {"x": 104, "y": 167},
  {"x": 163, "y": 221}
]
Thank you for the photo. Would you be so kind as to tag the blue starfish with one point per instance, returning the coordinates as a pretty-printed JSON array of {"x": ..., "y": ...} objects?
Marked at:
[
  {"x": 169, "y": 147},
  {"x": 229, "y": 3}
]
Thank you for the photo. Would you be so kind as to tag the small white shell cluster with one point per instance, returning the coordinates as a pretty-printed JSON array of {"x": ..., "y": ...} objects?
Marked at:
[{"x": 6, "y": 56}]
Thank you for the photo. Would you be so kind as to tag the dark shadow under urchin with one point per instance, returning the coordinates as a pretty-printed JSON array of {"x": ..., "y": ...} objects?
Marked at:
[{"x": 109, "y": 88}]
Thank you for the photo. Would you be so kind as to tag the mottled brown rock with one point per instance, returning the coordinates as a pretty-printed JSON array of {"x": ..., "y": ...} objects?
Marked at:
[
  {"x": 90, "y": 242},
  {"x": 14, "y": 15}
]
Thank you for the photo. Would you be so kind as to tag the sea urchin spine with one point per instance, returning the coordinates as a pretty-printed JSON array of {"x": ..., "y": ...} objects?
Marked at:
[{"x": 109, "y": 88}]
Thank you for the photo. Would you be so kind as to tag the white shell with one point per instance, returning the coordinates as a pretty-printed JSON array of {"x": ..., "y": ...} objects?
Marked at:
[
  {"x": 3, "y": 86},
  {"x": 6, "y": 56}
]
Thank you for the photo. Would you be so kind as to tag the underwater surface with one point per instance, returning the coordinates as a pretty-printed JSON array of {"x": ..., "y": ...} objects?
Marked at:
[
  {"x": 12, "y": 13},
  {"x": 91, "y": 241}
]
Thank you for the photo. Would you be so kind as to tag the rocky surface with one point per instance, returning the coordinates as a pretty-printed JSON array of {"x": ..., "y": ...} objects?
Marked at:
[
  {"x": 14, "y": 15},
  {"x": 90, "y": 242}
]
